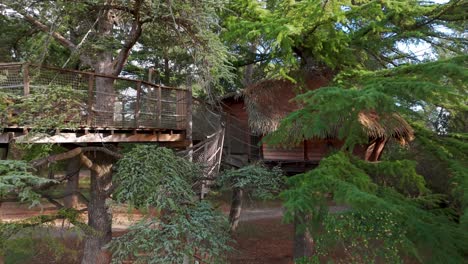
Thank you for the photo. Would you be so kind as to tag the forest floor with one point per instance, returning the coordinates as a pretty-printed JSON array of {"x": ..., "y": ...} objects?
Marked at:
[
  {"x": 263, "y": 238},
  {"x": 260, "y": 238}
]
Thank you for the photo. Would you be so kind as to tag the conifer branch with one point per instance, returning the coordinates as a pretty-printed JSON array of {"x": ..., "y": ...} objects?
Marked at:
[
  {"x": 67, "y": 43},
  {"x": 73, "y": 153},
  {"x": 133, "y": 36}
]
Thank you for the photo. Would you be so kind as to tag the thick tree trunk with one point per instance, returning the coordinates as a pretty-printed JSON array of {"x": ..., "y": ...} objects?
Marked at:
[
  {"x": 105, "y": 101},
  {"x": 99, "y": 216},
  {"x": 249, "y": 69},
  {"x": 236, "y": 207},
  {"x": 303, "y": 242},
  {"x": 72, "y": 185},
  {"x": 104, "y": 64},
  {"x": 167, "y": 72}
]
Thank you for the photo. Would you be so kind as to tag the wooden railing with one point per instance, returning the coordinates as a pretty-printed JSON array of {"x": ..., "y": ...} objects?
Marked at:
[{"x": 105, "y": 101}]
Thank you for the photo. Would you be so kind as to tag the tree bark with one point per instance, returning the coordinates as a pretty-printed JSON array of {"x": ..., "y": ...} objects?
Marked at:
[
  {"x": 99, "y": 215},
  {"x": 303, "y": 242},
  {"x": 167, "y": 71},
  {"x": 236, "y": 207},
  {"x": 249, "y": 69},
  {"x": 72, "y": 185},
  {"x": 105, "y": 93}
]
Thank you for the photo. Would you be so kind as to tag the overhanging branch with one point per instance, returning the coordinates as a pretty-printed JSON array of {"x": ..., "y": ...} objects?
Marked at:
[
  {"x": 73, "y": 153},
  {"x": 57, "y": 36}
]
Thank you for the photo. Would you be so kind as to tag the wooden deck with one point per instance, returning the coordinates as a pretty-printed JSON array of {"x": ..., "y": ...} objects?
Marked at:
[{"x": 104, "y": 108}]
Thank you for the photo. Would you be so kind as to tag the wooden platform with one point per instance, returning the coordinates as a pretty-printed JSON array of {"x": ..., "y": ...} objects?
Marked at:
[
  {"x": 108, "y": 109},
  {"x": 172, "y": 138}
]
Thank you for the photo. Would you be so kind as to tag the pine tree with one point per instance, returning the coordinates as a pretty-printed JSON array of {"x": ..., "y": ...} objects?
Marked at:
[{"x": 363, "y": 44}]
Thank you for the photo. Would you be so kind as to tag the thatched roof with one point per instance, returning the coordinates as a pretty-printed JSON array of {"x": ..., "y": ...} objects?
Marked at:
[
  {"x": 269, "y": 101},
  {"x": 386, "y": 126}
]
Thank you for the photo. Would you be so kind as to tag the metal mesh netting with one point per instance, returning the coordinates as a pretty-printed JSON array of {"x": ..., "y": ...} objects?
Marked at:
[
  {"x": 206, "y": 121},
  {"x": 208, "y": 153},
  {"x": 208, "y": 129},
  {"x": 107, "y": 101},
  {"x": 11, "y": 79}
]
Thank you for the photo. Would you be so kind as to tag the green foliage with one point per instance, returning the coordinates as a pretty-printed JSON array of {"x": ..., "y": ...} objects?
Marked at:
[
  {"x": 399, "y": 90},
  {"x": 195, "y": 230},
  {"x": 32, "y": 152},
  {"x": 46, "y": 108},
  {"x": 16, "y": 179},
  {"x": 51, "y": 107},
  {"x": 6, "y": 102},
  {"x": 153, "y": 177},
  {"x": 262, "y": 182},
  {"x": 364, "y": 236},
  {"x": 344, "y": 34},
  {"x": 453, "y": 153},
  {"x": 19, "y": 250},
  {"x": 412, "y": 228},
  {"x": 399, "y": 174},
  {"x": 179, "y": 39},
  {"x": 20, "y": 240}
]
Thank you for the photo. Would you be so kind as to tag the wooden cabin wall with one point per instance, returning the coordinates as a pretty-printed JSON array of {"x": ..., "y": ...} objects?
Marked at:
[
  {"x": 310, "y": 151},
  {"x": 271, "y": 153},
  {"x": 237, "y": 127},
  {"x": 240, "y": 144}
]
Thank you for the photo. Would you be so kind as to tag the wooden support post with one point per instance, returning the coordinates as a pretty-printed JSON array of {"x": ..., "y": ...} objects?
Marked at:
[
  {"x": 137, "y": 105},
  {"x": 223, "y": 131},
  {"x": 228, "y": 135},
  {"x": 26, "y": 79},
  {"x": 305, "y": 151},
  {"x": 150, "y": 75},
  {"x": 159, "y": 106},
  {"x": 89, "y": 120},
  {"x": 188, "y": 117},
  {"x": 4, "y": 151}
]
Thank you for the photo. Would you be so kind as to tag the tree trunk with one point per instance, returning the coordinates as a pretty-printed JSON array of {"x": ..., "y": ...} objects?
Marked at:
[
  {"x": 167, "y": 71},
  {"x": 105, "y": 101},
  {"x": 236, "y": 207},
  {"x": 72, "y": 185},
  {"x": 105, "y": 92},
  {"x": 249, "y": 69},
  {"x": 303, "y": 242},
  {"x": 99, "y": 216}
]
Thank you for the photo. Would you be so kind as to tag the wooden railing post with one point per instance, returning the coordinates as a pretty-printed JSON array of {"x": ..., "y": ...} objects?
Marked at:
[
  {"x": 137, "y": 105},
  {"x": 89, "y": 120},
  {"x": 188, "y": 118},
  {"x": 159, "y": 106},
  {"x": 26, "y": 79}
]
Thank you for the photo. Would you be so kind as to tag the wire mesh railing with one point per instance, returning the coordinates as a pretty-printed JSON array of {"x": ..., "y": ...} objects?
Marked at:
[{"x": 104, "y": 101}]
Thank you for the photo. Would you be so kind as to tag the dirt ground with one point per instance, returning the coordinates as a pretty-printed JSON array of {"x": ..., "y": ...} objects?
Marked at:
[
  {"x": 260, "y": 238},
  {"x": 263, "y": 241}
]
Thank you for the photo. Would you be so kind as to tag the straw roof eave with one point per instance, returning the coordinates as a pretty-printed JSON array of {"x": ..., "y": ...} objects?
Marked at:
[{"x": 268, "y": 102}]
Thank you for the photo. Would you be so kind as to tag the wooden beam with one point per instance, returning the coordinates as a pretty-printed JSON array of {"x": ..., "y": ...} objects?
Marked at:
[
  {"x": 102, "y": 138},
  {"x": 5, "y": 138},
  {"x": 137, "y": 105},
  {"x": 188, "y": 117},
  {"x": 159, "y": 107},
  {"x": 90, "y": 117},
  {"x": 26, "y": 79}
]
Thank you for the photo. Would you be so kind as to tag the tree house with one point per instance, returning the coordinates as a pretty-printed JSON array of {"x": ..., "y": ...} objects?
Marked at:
[{"x": 258, "y": 111}]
